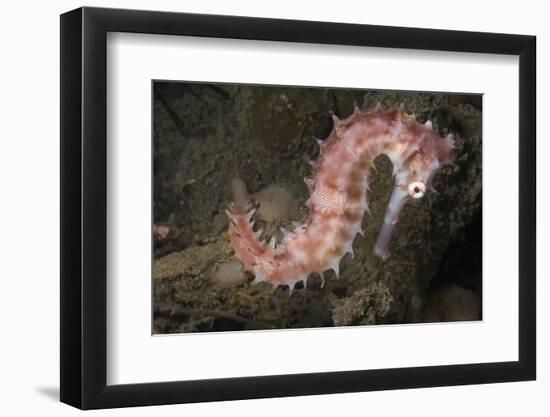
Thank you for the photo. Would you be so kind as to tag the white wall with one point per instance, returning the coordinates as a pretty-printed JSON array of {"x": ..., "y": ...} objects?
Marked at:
[{"x": 29, "y": 173}]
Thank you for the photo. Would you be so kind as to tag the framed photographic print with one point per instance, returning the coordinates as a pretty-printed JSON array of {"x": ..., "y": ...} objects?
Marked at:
[{"x": 257, "y": 208}]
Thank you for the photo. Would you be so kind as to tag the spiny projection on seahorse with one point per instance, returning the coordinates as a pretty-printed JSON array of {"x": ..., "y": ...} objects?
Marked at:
[{"x": 338, "y": 188}]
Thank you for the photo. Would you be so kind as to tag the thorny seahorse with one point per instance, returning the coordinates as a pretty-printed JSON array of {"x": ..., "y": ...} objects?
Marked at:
[{"x": 338, "y": 190}]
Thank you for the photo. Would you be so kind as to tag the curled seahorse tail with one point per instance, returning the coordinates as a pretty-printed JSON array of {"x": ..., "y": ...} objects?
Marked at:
[{"x": 245, "y": 241}]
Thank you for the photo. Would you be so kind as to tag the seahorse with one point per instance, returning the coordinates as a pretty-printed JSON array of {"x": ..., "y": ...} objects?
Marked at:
[{"x": 338, "y": 188}]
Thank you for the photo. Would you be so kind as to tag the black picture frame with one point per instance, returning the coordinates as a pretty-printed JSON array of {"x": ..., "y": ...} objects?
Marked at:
[{"x": 84, "y": 207}]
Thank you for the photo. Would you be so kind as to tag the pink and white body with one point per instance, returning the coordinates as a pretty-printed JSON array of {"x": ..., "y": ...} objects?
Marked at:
[{"x": 338, "y": 190}]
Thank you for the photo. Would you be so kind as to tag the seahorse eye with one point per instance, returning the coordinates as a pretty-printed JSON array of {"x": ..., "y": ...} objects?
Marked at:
[{"x": 417, "y": 189}]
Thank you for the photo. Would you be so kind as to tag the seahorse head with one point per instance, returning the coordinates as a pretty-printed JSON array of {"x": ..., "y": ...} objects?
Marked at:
[
  {"x": 417, "y": 172},
  {"x": 417, "y": 155}
]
